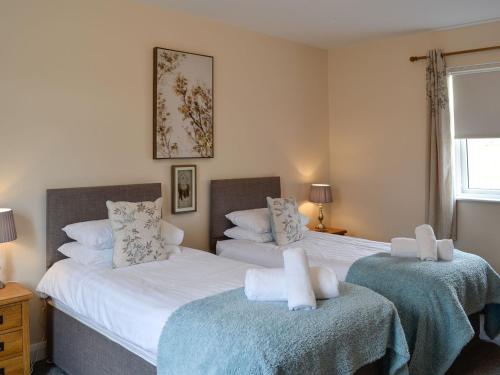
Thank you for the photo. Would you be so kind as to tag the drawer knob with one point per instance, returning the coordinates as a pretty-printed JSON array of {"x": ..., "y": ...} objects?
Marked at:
[
  {"x": 2, "y": 371},
  {"x": 1, "y": 347},
  {"x": 1, "y": 319}
]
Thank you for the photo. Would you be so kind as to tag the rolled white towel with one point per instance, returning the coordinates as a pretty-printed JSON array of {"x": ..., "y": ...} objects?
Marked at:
[
  {"x": 426, "y": 242},
  {"x": 300, "y": 293},
  {"x": 404, "y": 247},
  {"x": 269, "y": 284},
  {"x": 408, "y": 248},
  {"x": 265, "y": 284},
  {"x": 445, "y": 249},
  {"x": 324, "y": 282}
]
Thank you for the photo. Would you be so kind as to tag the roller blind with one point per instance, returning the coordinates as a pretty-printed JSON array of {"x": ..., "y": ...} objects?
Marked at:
[{"x": 476, "y": 102}]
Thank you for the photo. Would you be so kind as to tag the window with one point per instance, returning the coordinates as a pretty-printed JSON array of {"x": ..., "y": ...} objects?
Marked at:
[
  {"x": 478, "y": 168},
  {"x": 475, "y": 117}
]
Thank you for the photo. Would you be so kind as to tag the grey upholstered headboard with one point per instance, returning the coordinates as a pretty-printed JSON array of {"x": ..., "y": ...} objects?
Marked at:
[
  {"x": 67, "y": 206},
  {"x": 238, "y": 194}
]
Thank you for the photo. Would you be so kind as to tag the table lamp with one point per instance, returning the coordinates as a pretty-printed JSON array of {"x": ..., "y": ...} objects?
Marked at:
[
  {"x": 7, "y": 229},
  {"x": 320, "y": 194}
]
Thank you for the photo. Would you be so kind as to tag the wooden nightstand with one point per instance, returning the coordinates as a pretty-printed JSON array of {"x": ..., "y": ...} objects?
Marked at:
[
  {"x": 338, "y": 231},
  {"x": 14, "y": 330}
]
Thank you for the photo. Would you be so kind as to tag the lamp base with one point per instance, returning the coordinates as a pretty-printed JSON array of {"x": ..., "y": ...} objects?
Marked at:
[
  {"x": 320, "y": 226},
  {"x": 2, "y": 285}
]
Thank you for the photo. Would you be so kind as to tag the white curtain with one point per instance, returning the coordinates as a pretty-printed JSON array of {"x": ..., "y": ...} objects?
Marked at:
[{"x": 441, "y": 200}]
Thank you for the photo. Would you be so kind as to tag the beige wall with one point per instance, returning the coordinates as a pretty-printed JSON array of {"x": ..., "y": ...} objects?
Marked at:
[
  {"x": 378, "y": 137},
  {"x": 76, "y": 110}
]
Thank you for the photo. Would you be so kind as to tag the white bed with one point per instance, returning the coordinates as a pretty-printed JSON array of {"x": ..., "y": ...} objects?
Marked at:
[
  {"x": 130, "y": 305},
  {"x": 337, "y": 252}
]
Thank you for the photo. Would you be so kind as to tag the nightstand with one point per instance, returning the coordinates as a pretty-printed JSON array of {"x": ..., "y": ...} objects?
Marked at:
[
  {"x": 14, "y": 330},
  {"x": 338, "y": 231}
]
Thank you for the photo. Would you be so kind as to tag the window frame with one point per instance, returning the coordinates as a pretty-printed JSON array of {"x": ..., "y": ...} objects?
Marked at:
[
  {"x": 462, "y": 190},
  {"x": 461, "y": 167}
]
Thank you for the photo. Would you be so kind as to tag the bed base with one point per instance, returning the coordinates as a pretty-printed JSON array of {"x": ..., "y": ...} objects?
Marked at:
[{"x": 80, "y": 350}]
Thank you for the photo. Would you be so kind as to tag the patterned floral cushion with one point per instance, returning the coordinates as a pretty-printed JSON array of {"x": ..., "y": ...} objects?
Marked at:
[
  {"x": 136, "y": 232},
  {"x": 285, "y": 220}
]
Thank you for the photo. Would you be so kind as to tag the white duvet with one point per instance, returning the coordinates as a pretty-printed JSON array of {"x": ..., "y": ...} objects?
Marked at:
[
  {"x": 322, "y": 249},
  {"x": 133, "y": 303}
]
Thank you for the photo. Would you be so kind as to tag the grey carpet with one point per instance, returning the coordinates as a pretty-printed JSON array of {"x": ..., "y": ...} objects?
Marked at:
[{"x": 478, "y": 358}]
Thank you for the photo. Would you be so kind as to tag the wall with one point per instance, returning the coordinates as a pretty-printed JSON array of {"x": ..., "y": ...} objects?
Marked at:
[
  {"x": 378, "y": 137},
  {"x": 76, "y": 110}
]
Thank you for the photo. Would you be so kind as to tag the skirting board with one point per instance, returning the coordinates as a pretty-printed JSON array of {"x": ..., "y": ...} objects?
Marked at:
[{"x": 38, "y": 351}]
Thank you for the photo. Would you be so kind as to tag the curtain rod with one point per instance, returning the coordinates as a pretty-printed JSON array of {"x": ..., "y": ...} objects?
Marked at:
[{"x": 416, "y": 58}]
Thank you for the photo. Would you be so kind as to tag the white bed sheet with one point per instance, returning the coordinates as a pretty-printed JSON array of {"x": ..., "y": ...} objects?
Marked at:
[
  {"x": 130, "y": 305},
  {"x": 337, "y": 252}
]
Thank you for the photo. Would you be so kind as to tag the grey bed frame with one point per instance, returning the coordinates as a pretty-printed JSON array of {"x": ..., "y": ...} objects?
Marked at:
[
  {"x": 77, "y": 348},
  {"x": 73, "y": 346}
]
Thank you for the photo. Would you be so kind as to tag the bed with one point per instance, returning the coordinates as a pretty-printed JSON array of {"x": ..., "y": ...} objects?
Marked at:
[
  {"x": 338, "y": 252},
  {"x": 354, "y": 258},
  {"x": 107, "y": 332}
]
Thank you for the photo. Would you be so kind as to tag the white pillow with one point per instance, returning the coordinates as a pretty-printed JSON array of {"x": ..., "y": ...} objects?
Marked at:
[
  {"x": 96, "y": 234},
  {"x": 256, "y": 220},
  {"x": 86, "y": 255},
  {"x": 304, "y": 220},
  {"x": 242, "y": 234},
  {"x": 171, "y": 234}
]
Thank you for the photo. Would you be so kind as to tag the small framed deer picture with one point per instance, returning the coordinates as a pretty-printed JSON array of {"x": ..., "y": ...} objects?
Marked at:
[{"x": 184, "y": 188}]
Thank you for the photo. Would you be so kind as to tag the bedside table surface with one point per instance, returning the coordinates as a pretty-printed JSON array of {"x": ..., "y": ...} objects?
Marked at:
[
  {"x": 332, "y": 230},
  {"x": 14, "y": 292}
]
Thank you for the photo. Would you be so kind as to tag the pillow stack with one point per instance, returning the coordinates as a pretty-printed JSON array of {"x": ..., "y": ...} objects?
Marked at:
[
  {"x": 255, "y": 225},
  {"x": 296, "y": 283},
  {"x": 133, "y": 234},
  {"x": 94, "y": 242}
]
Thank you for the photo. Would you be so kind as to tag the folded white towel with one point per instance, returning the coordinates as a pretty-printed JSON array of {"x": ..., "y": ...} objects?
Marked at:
[
  {"x": 300, "y": 293},
  {"x": 404, "y": 247},
  {"x": 426, "y": 242},
  {"x": 269, "y": 284},
  {"x": 445, "y": 249},
  {"x": 408, "y": 248}
]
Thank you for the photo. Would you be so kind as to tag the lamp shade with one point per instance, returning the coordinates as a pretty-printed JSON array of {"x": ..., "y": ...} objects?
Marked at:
[
  {"x": 320, "y": 193},
  {"x": 7, "y": 226}
]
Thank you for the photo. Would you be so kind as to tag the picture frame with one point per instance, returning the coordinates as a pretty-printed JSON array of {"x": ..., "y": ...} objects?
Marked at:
[
  {"x": 184, "y": 188},
  {"x": 183, "y": 112}
]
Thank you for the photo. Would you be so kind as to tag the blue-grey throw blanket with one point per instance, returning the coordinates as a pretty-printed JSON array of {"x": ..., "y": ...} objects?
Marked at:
[
  {"x": 228, "y": 334},
  {"x": 433, "y": 301}
]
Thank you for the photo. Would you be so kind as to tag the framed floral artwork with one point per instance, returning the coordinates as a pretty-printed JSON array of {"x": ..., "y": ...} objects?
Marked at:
[
  {"x": 183, "y": 188},
  {"x": 183, "y": 120}
]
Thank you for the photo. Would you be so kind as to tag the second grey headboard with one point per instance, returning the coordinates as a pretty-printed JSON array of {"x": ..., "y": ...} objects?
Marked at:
[
  {"x": 67, "y": 206},
  {"x": 237, "y": 194}
]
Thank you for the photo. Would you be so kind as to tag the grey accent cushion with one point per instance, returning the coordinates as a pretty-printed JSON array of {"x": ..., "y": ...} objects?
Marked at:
[
  {"x": 136, "y": 232},
  {"x": 285, "y": 220}
]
